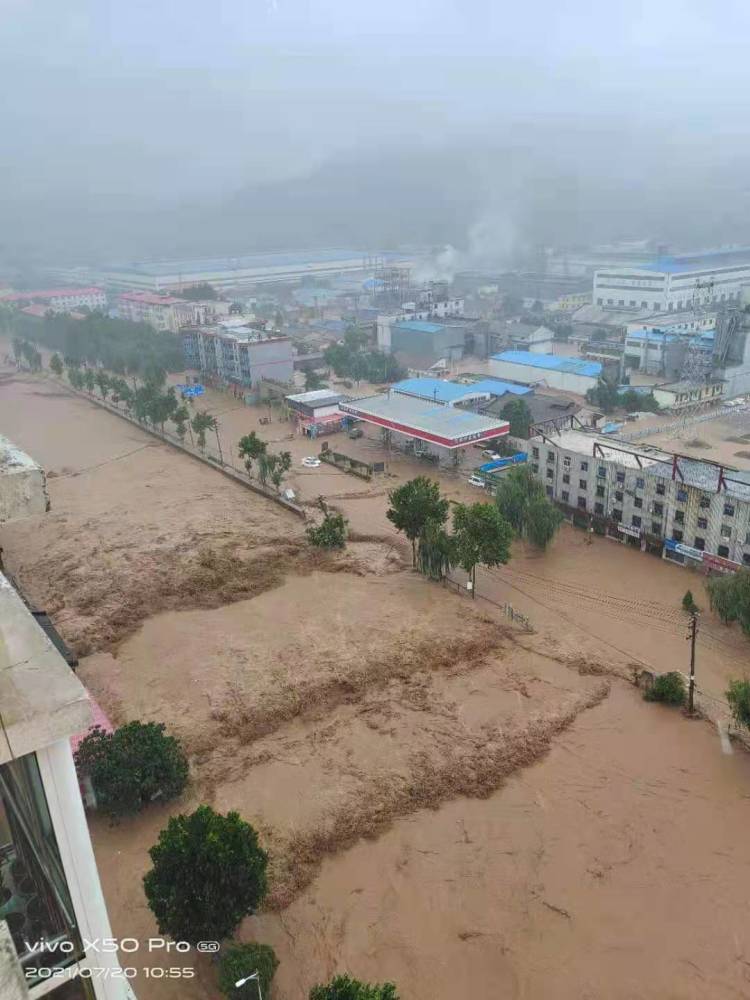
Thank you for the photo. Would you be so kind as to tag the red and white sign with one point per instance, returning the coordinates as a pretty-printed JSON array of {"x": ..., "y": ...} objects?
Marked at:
[{"x": 720, "y": 563}]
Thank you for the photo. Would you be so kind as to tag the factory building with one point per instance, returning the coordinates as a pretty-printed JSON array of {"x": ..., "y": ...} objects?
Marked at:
[
  {"x": 674, "y": 283},
  {"x": 689, "y": 511},
  {"x": 568, "y": 374},
  {"x": 60, "y": 300}
]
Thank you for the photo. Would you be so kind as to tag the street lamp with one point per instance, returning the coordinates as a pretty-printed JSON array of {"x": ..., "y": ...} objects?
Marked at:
[{"x": 256, "y": 977}]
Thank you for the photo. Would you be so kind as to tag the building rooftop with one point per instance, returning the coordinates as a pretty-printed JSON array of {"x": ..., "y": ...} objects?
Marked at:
[
  {"x": 609, "y": 449},
  {"x": 703, "y": 476},
  {"x": 51, "y": 293},
  {"x": 420, "y": 326},
  {"x": 317, "y": 397},
  {"x": 442, "y": 391},
  {"x": 551, "y": 362},
  {"x": 293, "y": 258},
  {"x": 151, "y": 299},
  {"x": 707, "y": 260},
  {"x": 443, "y": 425},
  {"x": 41, "y": 699}
]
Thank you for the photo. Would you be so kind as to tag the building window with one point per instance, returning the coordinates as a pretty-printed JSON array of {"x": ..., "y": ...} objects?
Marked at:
[
  {"x": 619, "y": 495},
  {"x": 598, "y": 508},
  {"x": 644, "y": 304},
  {"x": 550, "y": 456},
  {"x": 616, "y": 514},
  {"x": 659, "y": 508},
  {"x": 33, "y": 890},
  {"x": 534, "y": 467},
  {"x": 638, "y": 502},
  {"x": 620, "y": 477},
  {"x": 699, "y": 543},
  {"x": 582, "y": 484},
  {"x": 726, "y": 531},
  {"x": 660, "y": 489},
  {"x": 682, "y": 496},
  {"x": 566, "y": 477},
  {"x": 746, "y": 558},
  {"x": 600, "y": 491},
  {"x": 703, "y": 523},
  {"x": 656, "y": 527},
  {"x": 705, "y": 502},
  {"x": 600, "y": 302},
  {"x": 566, "y": 462},
  {"x": 584, "y": 466},
  {"x": 635, "y": 521},
  {"x": 550, "y": 491},
  {"x": 723, "y": 551},
  {"x": 550, "y": 473},
  {"x": 728, "y": 510},
  {"x": 639, "y": 483},
  {"x": 677, "y": 535},
  {"x": 565, "y": 496},
  {"x": 535, "y": 452},
  {"x": 602, "y": 471},
  {"x": 582, "y": 503},
  {"x": 679, "y": 516}
]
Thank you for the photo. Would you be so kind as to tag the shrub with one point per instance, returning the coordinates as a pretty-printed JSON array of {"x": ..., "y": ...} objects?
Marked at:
[
  {"x": 330, "y": 533},
  {"x": 668, "y": 689},
  {"x": 346, "y": 988},
  {"x": 209, "y": 873},
  {"x": 132, "y": 766},
  {"x": 241, "y": 960},
  {"x": 688, "y": 603},
  {"x": 738, "y": 696}
]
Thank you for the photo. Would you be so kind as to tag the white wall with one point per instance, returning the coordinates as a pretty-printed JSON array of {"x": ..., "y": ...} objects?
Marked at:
[{"x": 568, "y": 381}]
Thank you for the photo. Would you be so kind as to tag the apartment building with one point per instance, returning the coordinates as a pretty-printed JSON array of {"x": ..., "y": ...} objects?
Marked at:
[
  {"x": 238, "y": 354},
  {"x": 162, "y": 312},
  {"x": 60, "y": 300},
  {"x": 690, "y": 511},
  {"x": 50, "y": 896}
]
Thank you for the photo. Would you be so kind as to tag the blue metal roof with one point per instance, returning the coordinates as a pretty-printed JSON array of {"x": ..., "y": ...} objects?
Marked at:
[
  {"x": 550, "y": 362},
  {"x": 420, "y": 326},
  {"x": 449, "y": 392},
  {"x": 710, "y": 259}
]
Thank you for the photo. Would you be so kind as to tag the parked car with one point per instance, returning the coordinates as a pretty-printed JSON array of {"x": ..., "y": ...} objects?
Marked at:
[
  {"x": 492, "y": 455},
  {"x": 311, "y": 462},
  {"x": 356, "y": 432},
  {"x": 476, "y": 481}
]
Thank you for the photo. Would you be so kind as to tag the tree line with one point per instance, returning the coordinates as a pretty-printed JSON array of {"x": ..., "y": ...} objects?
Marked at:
[
  {"x": 481, "y": 532},
  {"x": 607, "y": 397},
  {"x": 352, "y": 360},
  {"x": 116, "y": 344}
]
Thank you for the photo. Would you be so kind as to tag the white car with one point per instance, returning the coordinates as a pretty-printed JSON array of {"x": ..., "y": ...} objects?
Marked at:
[
  {"x": 476, "y": 481},
  {"x": 311, "y": 462},
  {"x": 492, "y": 455}
]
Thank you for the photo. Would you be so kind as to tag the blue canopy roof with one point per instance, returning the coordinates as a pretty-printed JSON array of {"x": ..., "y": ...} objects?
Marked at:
[
  {"x": 448, "y": 392},
  {"x": 551, "y": 362}
]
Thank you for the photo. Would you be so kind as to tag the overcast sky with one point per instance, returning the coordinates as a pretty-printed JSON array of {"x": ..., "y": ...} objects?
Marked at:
[{"x": 147, "y": 100}]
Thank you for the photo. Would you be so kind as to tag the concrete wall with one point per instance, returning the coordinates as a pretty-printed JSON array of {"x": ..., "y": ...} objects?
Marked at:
[{"x": 23, "y": 484}]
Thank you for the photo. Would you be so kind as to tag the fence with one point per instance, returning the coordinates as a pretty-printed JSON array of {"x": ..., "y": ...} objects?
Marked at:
[
  {"x": 507, "y": 609},
  {"x": 347, "y": 464}
]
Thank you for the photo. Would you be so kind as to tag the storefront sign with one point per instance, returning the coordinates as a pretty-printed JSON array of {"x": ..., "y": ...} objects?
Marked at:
[
  {"x": 684, "y": 550},
  {"x": 720, "y": 563},
  {"x": 633, "y": 532}
]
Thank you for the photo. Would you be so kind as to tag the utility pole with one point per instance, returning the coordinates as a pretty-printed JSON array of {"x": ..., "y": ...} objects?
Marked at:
[
  {"x": 218, "y": 441},
  {"x": 691, "y": 636}
]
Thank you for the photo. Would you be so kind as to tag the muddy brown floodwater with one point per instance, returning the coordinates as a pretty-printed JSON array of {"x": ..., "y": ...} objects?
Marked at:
[{"x": 448, "y": 801}]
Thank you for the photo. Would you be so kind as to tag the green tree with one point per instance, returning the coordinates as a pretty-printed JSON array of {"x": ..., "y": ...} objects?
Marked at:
[
  {"x": 688, "y": 603},
  {"x": 198, "y": 292},
  {"x": 346, "y": 988},
  {"x": 729, "y": 597},
  {"x": 667, "y": 688},
  {"x": 521, "y": 499},
  {"x": 181, "y": 418},
  {"x": 56, "y": 365},
  {"x": 89, "y": 379},
  {"x": 251, "y": 447},
  {"x": 132, "y": 766},
  {"x": 330, "y": 533},
  {"x": 313, "y": 380},
  {"x": 435, "y": 551},
  {"x": 738, "y": 696},
  {"x": 413, "y": 505},
  {"x": 75, "y": 377},
  {"x": 339, "y": 357},
  {"x": 202, "y": 422},
  {"x": 102, "y": 382},
  {"x": 481, "y": 536},
  {"x": 208, "y": 873},
  {"x": 242, "y": 960},
  {"x": 518, "y": 415}
]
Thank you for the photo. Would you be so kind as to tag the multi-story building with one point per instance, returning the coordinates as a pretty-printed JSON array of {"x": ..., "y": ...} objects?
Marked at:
[
  {"x": 687, "y": 510},
  {"x": 61, "y": 300},
  {"x": 674, "y": 283},
  {"x": 50, "y": 895},
  {"x": 240, "y": 354},
  {"x": 162, "y": 312}
]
